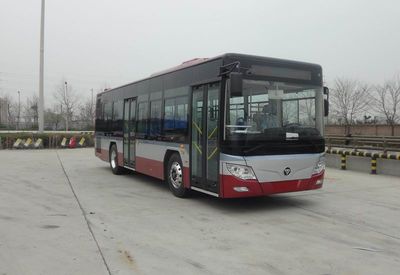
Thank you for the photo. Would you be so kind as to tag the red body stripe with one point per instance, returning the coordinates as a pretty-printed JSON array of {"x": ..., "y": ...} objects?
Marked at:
[
  {"x": 186, "y": 178},
  {"x": 104, "y": 155},
  {"x": 120, "y": 159},
  {"x": 150, "y": 167}
]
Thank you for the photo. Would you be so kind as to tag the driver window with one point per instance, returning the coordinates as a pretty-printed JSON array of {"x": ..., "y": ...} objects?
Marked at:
[{"x": 237, "y": 112}]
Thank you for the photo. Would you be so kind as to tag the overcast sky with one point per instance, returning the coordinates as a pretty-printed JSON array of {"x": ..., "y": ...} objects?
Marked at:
[{"x": 93, "y": 43}]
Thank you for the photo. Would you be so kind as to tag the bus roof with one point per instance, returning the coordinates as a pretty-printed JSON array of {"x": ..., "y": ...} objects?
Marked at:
[{"x": 227, "y": 56}]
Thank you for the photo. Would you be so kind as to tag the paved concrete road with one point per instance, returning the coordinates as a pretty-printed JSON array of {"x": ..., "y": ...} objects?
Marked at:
[{"x": 351, "y": 226}]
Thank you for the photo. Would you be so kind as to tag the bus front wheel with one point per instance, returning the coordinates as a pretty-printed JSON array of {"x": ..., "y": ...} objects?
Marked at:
[
  {"x": 115, "y": 168},
  {"x": 175, "y": 176}
]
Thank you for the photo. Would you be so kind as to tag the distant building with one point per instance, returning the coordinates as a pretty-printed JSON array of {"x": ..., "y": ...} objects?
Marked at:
[{"x": 3, "y": 112}]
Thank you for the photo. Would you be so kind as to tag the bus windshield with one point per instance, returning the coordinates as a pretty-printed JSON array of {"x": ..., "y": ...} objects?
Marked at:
[{"x": 272, "y": 109}]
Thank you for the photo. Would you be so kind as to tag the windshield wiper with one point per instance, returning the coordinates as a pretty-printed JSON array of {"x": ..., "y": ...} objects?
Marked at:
[
  {"x": 254, "y": 148},
  {"x": 262, "y": 146}
]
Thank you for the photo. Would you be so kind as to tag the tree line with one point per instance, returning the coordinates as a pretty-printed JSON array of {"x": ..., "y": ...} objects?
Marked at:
[
  {"x": 69, "y": 111},
  {"x": 355, "y": 102}
]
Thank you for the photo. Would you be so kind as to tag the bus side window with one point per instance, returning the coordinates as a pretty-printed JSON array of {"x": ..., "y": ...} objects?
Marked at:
[
  {"x": 175, "y": 118},
  {"x": 169, "y": 114},
  {"x": 155, "y": 118},
  {"x": 108, "y": 112},
  {"x": 99, "y": 116},
  {"x": 142, "y": 118},
  {"x": 118, "y": 115},
  {"x": 181, "y": 114}
]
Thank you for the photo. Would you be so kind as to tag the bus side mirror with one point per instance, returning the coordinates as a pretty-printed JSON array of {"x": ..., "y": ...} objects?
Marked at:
[
  {"x": 236, "y": 83},
  {"x": 326, "y": 101}
]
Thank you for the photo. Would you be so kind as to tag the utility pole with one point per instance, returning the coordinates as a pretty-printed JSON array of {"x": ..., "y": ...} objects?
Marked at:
[
  {"x": 19, "y": 109},
  {"x": 61, "y": 111},
  {"x": 8, "y": 115},
  {"x": 92, "y": 110},
  {"x": 41, "y": 96},
  {"x": 66, "y": 105},
  {"x": 92, "y": 95}
]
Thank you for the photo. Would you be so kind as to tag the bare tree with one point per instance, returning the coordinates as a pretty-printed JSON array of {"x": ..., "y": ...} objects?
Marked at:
[
  {"x": 53, "y": 117},
  {"x": 307, "y": 112},
  {"x": 87, "y": 114},
  {"x": 10, "y": 111},
  {"x": 4, "y": 113},
  {"x": 387, "y": 98},
  {"x": 67, "y": 98},
  {"x": 30, "y": 112},
  {"x": 349, "y": 99}
]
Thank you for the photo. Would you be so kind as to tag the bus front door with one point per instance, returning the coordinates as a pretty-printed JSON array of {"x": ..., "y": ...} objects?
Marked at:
[
  {"x": 129, "y": 131},
  {"x": 204, "y": 137}
]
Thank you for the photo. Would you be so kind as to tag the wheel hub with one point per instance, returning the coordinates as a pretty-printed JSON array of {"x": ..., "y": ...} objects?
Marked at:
[
  {"x": 113, "y": 159},
  {"x": 175, "y": 175}
]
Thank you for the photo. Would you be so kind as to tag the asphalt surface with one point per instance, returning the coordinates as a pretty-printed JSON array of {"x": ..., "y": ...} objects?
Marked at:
[{"x": 64, "y": 212}]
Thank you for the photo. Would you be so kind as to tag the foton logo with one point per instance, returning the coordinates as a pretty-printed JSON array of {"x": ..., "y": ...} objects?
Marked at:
[{"x": 287, "y": 171}]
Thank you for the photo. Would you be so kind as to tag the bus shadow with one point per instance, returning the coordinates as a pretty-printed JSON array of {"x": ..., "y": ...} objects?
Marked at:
[
  {"x": 254, "y": 204},
  {"x": 148, "y": 180},
  {"x": 237, "y": 206},
  {"x": 136, "y": 178}
]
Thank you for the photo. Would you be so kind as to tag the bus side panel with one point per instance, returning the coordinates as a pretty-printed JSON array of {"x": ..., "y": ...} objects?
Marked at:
[
  {"x": 99, "y": 151},
  {"x": 186, "y": 177},
  {"x": 103, "y": 149},
  {"x": 150, "y": 157}
]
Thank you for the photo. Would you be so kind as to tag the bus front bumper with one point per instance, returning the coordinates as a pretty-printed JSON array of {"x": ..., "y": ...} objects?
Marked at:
[{"x": 233, "y": 187}]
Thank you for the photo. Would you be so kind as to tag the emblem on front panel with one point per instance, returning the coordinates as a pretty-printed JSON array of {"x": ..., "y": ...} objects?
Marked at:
[{"x": 287, "y": 171}]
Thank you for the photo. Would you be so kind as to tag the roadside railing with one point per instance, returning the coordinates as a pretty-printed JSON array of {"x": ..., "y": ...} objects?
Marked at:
[
  {"x": 373, "y": 156},
  {"x": 372, "y": 147},
  {"x": 356, "y": 142}
]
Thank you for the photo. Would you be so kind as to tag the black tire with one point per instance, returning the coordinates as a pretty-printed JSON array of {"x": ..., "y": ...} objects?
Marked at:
[
  {"x": 113, "y": 157},
  {"x": 174, "y": 176}
]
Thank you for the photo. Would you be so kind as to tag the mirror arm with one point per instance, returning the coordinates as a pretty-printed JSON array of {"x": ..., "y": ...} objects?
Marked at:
[{"x": 228, "y": 68}]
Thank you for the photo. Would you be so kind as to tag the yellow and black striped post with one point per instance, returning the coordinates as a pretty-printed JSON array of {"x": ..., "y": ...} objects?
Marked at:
[
  {"x": 373, "y": 165},
  {"x": 343, "y": 161}
]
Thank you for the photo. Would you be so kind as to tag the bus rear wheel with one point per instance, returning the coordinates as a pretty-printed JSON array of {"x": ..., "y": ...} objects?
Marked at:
[
  {"x": 115, "y": 168},
  {"x": 175, "y": 176}
]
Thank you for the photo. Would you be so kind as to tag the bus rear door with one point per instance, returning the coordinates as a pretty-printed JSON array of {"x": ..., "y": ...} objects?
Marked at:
[{"x": 129, "y": 131}]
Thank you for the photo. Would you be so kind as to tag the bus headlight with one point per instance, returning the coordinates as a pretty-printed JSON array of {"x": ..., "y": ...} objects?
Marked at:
[
  {"x": 320, "y": 166},
  {"x": 241, "y": 171}
]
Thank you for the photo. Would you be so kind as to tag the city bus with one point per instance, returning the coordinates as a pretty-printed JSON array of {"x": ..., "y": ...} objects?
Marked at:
[{"x": 230, "y": 126}]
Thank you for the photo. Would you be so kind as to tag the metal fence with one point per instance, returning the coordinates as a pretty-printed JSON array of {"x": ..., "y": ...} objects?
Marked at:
[
  {"x": 376, "y": 143},
  {"x": 372, "y": 147}
]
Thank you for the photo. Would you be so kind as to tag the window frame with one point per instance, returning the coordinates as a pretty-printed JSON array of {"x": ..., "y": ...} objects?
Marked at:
[
  {"x": 145, "y": 133},
  {"x": 175, "y": 130},
  {"x": 152, "y": 119}
]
